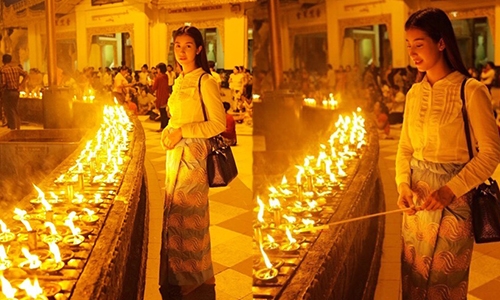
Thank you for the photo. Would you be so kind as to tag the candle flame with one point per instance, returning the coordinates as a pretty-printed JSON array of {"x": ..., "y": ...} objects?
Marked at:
[
  {"x": 33, "y": 290},
  {"x": 284, "y": 182},
  {"x": 260, "y": 215},
  {"x": 298, "y": 179},
  {"x": 52, "y": 227},
  {"x": 312, "y": 204},
  {"x": 41, "y": 194},
  {"x": 274, "y": 203},
  {"x": 4, "y": 227},
  {"x": 270, "y": 238},
  {"x": 54, "y": 196},
  {"x": 291, "y": 240},
  {"x": 273, "y": 191},
  {"x": 308, "y": 222},
  {"x": 3, "y": 253},
  {"x": 54, "y": 249},
  {"x": 268, "y": 263},
  {"x": 32, "y": 259},
  {"x": 89, "y": 212},
  {"x": 69, "y": 222},
  {"x": 7, "y": 288},
  {"x": 290, "y": 219}
]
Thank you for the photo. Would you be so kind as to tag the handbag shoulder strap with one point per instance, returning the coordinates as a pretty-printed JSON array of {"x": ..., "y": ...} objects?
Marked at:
[
  {"x": 466, "y": 119},
  {"x": 201, "y": 97}
]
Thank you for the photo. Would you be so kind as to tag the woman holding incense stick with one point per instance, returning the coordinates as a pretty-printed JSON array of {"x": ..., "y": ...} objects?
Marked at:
[{"x": 433, "y": 171}]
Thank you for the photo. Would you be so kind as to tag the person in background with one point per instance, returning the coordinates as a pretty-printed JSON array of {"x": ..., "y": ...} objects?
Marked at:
[
  {"x": 162, "y": 90},
  {"x": 130, "y": 104},
  {"x": 229, "y": 135},
  {"x": 12, "y": 78},
  {"x": 381, "y": 113},
  {"x": 434, "y": 173},
  {"x": 488, "y": 75},
  {"x": 214, "y": 73},
  {"x": 144, "y": 75},
  {"x": 171, "y": 77},
  {"x": 145, "y": 100},
  {"x": 398, "y": 106},
  {"x": 186, "y": 269},
  {"x": 120, "y": 85}
]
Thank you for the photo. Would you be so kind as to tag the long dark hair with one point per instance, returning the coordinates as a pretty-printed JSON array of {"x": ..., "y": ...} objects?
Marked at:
[
  {"x": 201, "y": 58},
  {"x": 436, "y": 24}
]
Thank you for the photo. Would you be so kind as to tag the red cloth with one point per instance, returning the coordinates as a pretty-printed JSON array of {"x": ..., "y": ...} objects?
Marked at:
[
  {"x": 383, "y": 123},
  {"x": 161, "y": 87},
  {"x": 230, "y": 132},
  {"x": 132, "y": 107}
]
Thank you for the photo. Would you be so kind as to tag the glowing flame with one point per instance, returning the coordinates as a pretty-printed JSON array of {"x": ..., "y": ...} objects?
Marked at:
[
  {"x": 33, "y": 290},
  {"x": 298, "y": 179},
  {"x": 322, "y": 155},
  {"x": 273, "y": 191},
  {"x": 89, "y": 212},
  {"x": 270, "y": 238},
  {"x": 22, "y": 214},
  {"x": 52, "y": 227},
  {"x": 69, "y": 222},
  {"x": 268, "y": 263},
  {"x": 54, "y": 196},
  {"x": 274, "y": 203},
  {"x": 284, "y": 182},
  {"x": 260, "y": 215},
  {"x": 41, "y": 195},
  {"x": 54, "y": 249},
  {"x": 35, "y": 263},
  {"x": 3, "y": 253},
  {"x": 290, "y": 219},
  {"x": 7, "y": 288},
  {"x": 4, "y": 226},
  {"x": 312, "y": 204},
  {"x": 291, "y": 240},
  {"x": 60, "y": 178},
  {"x": 333, "y": 179},
  {"x": 308, "y": 222}
]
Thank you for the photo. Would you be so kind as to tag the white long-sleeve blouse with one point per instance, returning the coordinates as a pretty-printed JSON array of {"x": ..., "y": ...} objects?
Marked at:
[
  {"x": 433, "y": 130},
  {"x": 185, "y": 106}
]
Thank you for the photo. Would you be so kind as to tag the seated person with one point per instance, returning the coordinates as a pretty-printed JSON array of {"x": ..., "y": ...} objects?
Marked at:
[
  {"x": 398, "y": 106},
  {"x": 145, "y": 100},
  {"x": 382, "y": 119},
  {"x": 129, "y": 103},
  {"x": 229, "y": 135}
]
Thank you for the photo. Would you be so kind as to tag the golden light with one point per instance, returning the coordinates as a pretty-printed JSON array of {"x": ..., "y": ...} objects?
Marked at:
[
  {"x": 52, "y": 227},
  {"x": 312, "y": 203},
  {"x": 270, "y": 238},
  {"x": 33, "y": 290},
  {"x": 274, "y": 203},
  {"x": 291, "y": 240},
  {"x": 3, "y": 253},
  {"x": 273, "y": 191},
  {"x": 54, "y": 196},
  {"x": 34, "y": 261},
  {"x": 267, "y": 262},
  {"x": 301, "y": 172},
  {"x": 3, "y": 226},
  {"x": 260, "y": 215},
  {"x": 7, "y": 289},
  {"x": 54, "y": 249},
  {"x": 290, "y": 219},
  {"x": 322, "y": 155},
  {"x": 41, "y": 195},
  {"x": 308, "y": 222},
  {"x": 69, "y": 222}
]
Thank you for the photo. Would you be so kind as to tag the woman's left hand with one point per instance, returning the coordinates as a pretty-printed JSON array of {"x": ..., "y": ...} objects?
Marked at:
[
  {"x": 439, "y": 199},
  {"x": 170, "y": 139}
]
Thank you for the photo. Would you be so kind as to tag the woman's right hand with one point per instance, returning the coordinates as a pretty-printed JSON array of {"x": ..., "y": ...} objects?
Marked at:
[{"x": 405, "y": 199}]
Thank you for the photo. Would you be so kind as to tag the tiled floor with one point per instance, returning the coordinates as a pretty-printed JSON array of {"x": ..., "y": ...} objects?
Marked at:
[
  {"x": 230, "y": 216},
  {"x": 484, "y": 279}
]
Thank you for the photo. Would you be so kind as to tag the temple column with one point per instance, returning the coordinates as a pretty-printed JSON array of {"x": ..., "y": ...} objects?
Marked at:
[
  {"x": 35, "y": 32},
  {"x": 333, "y": 34},
  {"x": 235, "y": 43},
  {"x": 158, "y": 43}
]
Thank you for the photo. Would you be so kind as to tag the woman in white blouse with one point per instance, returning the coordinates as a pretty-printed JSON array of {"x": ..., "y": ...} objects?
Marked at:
[
  {"x": 186, "y": 264},
  {"x": 433, "y": 171}
]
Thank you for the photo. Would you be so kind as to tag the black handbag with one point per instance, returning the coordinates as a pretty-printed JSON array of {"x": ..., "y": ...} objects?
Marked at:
[
  {"x": 485, "y": 207},
  {"x": 221, "y": 167}
]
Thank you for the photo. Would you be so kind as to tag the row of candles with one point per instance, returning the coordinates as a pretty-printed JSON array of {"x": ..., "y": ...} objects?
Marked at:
[
  {"x": 331, "y": 102},
  {"x": 57, "y": 225},
  {"x": 293, "y": 209}
]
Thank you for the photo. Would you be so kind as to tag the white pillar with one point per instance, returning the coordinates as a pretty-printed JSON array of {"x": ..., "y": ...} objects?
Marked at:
[
  {"x": 399, "y": 16},
  {"x": 333, "y": 34},
  {"x": 35, "y": 32},
  {"x": 235, "y": 42},
  {"x": 158, "y": 44},
  {"x": 81, "y": 41},
  {"x": 140, "y": 41}
]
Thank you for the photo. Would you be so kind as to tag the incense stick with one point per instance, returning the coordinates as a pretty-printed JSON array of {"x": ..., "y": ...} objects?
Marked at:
[{"x": 326, "y": 226}]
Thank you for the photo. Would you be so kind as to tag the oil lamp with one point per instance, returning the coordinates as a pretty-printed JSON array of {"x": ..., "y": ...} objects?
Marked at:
[
  {"x": 34, "y": 291},
  {"x": 6, "y": 236},
  {"x": 292, "y": 244},
  {"x": 8, "y": 291},
  {"x": 269, "y": 273},
  {"x": 32, "y": 262},
  {"x": 90, "y": 217},
  {"x": 5, "y": 263},
  {"x": 54, "y": 236},
  {"x": 290, "y": 222},
  {"x": 284, "y": 183},
  {"x": 270, "y": 245},
  {"x": 298, "y": 180},
  {"x": 258, "y": 226},
  {"x": 55, "y": 264},
  {"x": 55, "y": 201},
  {"x": 314, "y": 209},
  {"x": 275, "y": 207},
  {"x": 75, "y": 239},
  {"x": 297, "y": 208}
]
